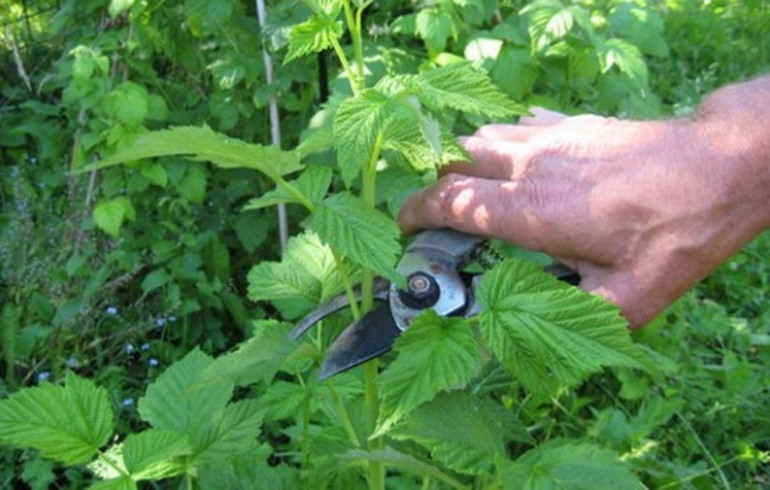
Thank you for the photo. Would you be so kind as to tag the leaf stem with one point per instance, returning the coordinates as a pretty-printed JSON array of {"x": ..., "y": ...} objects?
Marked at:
[
  {"x": 343, "y": 413},
  {"x": 296, "y": 193},
  {"x": 346, "y": 66},
  {"x": 347, "y": 285}
]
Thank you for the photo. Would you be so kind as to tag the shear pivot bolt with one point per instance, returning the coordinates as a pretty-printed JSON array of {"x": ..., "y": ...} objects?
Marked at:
[
  {"x": 422, "y": 291},
  {"x": 419, "y": 283}
]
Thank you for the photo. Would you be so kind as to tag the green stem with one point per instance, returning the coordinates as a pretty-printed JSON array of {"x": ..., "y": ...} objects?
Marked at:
[
  {"x": 371, "y": 393},
  {"x": 112, "y": 464},
  {"x": 348, "y": 286},
  {"x": 346, "y": 66},
  {"x": 295, "y": 193},
  {"x": 343, "y": 413}
]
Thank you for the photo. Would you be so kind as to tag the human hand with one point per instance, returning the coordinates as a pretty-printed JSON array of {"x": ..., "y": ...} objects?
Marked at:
[{"x": 641, "y": 210}]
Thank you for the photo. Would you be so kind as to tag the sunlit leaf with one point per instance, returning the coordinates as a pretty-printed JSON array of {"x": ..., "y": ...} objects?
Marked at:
[
  {"x": 202, "y": 143},
  {"x": 545, "y": 330},
  {"x": 461, "y": 87},
  {"x": 153, "y": 454},
  {"x": 66, "y": 423},
  {"x": 307, "y": 273},
  {"x": 317, "y": 33},
  {"x": 434, "y": 354},
  {"x": 364, "y": 235}
]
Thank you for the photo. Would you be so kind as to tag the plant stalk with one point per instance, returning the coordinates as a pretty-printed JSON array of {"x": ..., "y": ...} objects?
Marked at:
[{"x": 376, "y": 469}]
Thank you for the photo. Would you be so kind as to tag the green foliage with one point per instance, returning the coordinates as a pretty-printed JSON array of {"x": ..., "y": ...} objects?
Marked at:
[
  {"x": 435, "y": 354},
  {"x": 133, "y": 275},
  {"x": 568, "y": 464},
  {"x": 547, "y": 332},
  {"x": 68, "y": 424}
]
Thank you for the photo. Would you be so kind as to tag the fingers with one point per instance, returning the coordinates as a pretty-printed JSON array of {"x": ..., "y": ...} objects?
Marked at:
[
  {"x": 492, "y": 159},
  {"x": 474, "y": 205}
]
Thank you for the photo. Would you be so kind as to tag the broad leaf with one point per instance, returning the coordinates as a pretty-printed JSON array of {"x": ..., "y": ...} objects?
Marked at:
[
  {"x": 362, "y": 234},
  {"x": 234, "y": 429},
  {"x": 317, "y": 33},
  {"x": 550, "y": 21},
  {"x": 66, "y": 423},
  {"x": 246, "y": 471},
  {"x": 307, "y": 274},
  {"x": 568, "y": 464},
  {"x": 202, "y": 143},
  {"x": 545, "y": 330},
  {"x": 461, "y": 87},
  {"x": 257, "y": 359},
  {"x": 627, "y": 58},
  {"x": 153, "y": 454},
  {"x": 358, "y": 123},
  {"x": 183, "y": 397},
  {"x": 434, "y": 354},
  {"x": 462, "y": 431},
  {"x": 109, "y": 214},
  {"x": 435, "y": 27}
]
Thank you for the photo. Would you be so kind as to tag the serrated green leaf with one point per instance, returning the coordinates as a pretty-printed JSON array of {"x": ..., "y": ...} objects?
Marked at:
[
  {"x": 462, "y": 431},
  {"x": 548, "y": 21},
  {"x": 66, "y": 423},
  {"x": 364, "y": 235},
  {"x": 312, "y": 184},
  {"x": 257, "y": 359},
  {"x": 628, "y": 59},
  {"x": 246, "y": 471},
  {"x": 307, "y": 273},
  {"x": 183, "y": 396},
  {"x": 569, "y": 464},
  {"x": 282, "y": 399},
  {"x": 152, "y": 454},
  {"x": 545, "y": 330},
  {"x": 317, "y": 33},
  {"x": 461, "y": 87},
  {"x": 358, "y": 122},
  {"x": 234, "y": 429},
  {"x": 434, "y": 354},
  {"x": 109, "y": 214},
  {"x": 202, "y": 143}
]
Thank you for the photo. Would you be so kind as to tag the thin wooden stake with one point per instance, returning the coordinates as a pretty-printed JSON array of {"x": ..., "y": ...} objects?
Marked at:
[{"x": 275, "y": 123}]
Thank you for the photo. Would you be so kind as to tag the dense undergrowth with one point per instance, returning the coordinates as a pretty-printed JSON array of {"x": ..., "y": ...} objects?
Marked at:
[{"x": 146, "y": 305}]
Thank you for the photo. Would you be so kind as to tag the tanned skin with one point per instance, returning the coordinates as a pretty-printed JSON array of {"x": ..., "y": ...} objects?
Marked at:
[{"x": 642, "y": 210}]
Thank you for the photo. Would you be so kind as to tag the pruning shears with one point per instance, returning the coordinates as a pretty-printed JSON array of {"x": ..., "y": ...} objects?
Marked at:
[{"x": 433, "y": 266}]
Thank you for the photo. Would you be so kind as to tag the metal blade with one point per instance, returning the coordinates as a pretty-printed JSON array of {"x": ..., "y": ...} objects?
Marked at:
[
  {"x": 380, "y": 292},
  {"x": 369, "y": 337}
]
